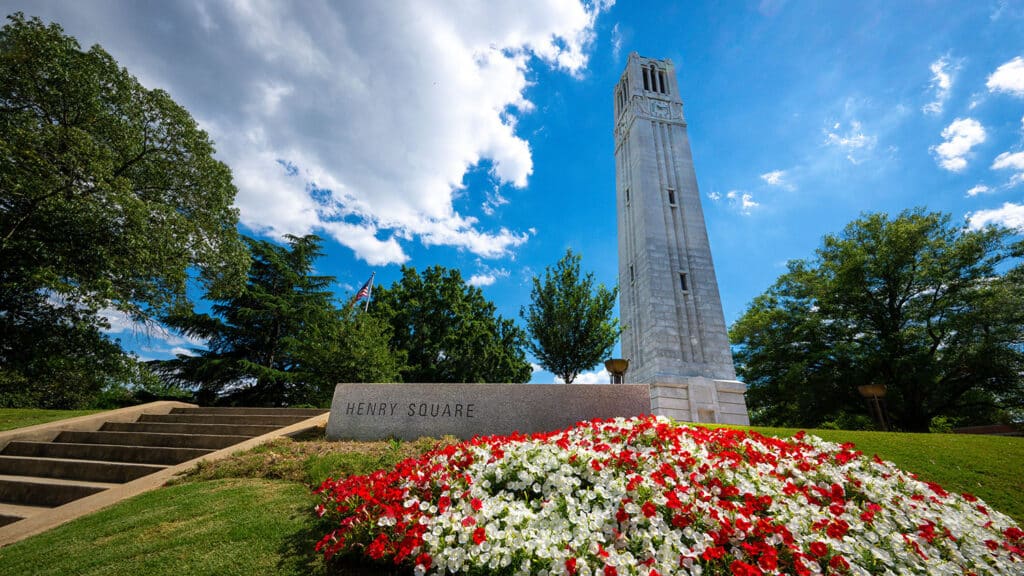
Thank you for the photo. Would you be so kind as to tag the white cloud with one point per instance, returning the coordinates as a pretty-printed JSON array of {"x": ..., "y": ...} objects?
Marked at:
[
  {"x": 1008, "y": 78},
  {"x": 777, "y": 178},
  {"x": 486, "y": 275},
  {"x": 494, "y": 200},
  {"x": 741, "y": 201},
  {"x": 715, "y": 196},
  {"x": 854, "y": 140},
  {"x": 961, "y": 135},
  {"x": 978, "y": 189},
  {"x": 616, "y": 42},
  {"x": 942, "y": 83},
  {"x": 1010, "y": 215},
  {"x": 596, "y": 377},
  {"x": 1008, "y": 161},
  {"x": 381, "y": 108}
]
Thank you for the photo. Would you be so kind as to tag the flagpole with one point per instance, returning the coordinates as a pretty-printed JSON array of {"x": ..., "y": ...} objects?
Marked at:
[{"x": 369, "y": 293}]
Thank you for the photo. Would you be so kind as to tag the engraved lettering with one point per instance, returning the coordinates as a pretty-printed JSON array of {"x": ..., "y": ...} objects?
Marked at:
[
  {"x": 423, "y": 409},
  {"x": 447, "y": 411},
  {"x": 359, "y": 411},
  {"x": 469, "y": 410},
  {"x": 435, "y": 409},
  {"x": 350, "y": 409},
  {"x": 458, "y": 410},
  {"x": 393, "y": 406},
  {"x": 412, "y": 409}
]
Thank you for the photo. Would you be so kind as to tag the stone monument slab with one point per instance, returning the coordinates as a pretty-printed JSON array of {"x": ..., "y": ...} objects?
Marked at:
[{"x": 410, "y": 411}]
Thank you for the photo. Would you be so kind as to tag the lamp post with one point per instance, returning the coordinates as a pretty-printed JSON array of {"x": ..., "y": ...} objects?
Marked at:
[
  {"x": 617, "y": 368},
  {"x": 873, "y": 394}
]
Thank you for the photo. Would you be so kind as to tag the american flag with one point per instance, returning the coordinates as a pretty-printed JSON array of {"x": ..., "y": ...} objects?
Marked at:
[{"x": 365, "y": 291}]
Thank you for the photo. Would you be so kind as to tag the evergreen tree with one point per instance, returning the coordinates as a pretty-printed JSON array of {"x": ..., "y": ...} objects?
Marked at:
[
  {"x": 449, "y": 331},
  {"x": 271, "y": 343},
  {"x": 569, "y": 320},
  {"x": 912, "y": 303}
]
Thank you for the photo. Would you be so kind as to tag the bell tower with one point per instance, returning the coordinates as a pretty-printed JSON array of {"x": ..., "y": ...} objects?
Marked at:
[{"x": 674, "y": 332}]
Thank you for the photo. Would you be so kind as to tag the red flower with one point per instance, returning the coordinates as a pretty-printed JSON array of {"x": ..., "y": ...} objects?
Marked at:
[
  {"x": 649, "y": 509},
  {"x": 424, "y": 560},
  {"x": 479, "y": 536},
  {"x": 476, "y": 504},
  {"x": 610, "y": 571},
  {"x": 839, "y": 563},
  {"x": 713, "y": 553},
  {"x": 819, "y": 549},
  {"x": 837, "y": 529},
  {"x": 570, "y": 566},
  {"x": 468, "y": 521},
  {"x": 739, "y": 568}
]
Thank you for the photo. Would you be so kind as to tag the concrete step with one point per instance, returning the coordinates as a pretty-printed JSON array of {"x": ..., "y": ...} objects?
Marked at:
[
  {"x": 305, "y": 412},
  {"x": 48, "y": 492},
  {"x": 10, "y": 513},
  {"x": 183, "y": 428},
  {"x": 205, "y": 441},
  {"x": 88, "y": 470},
  {"x": 278, "y": 421},
  {"x": 106, "y": 452}
]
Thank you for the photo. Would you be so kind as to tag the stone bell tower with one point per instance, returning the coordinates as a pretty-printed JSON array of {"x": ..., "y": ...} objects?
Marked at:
[{"x": 674, "y": 332}]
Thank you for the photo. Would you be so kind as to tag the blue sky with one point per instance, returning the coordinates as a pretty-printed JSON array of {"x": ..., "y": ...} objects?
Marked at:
[{"x": 478, "y": 135}]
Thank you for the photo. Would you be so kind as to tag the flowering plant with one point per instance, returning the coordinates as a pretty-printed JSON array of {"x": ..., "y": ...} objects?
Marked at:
[{"x": 646, "y": 496}]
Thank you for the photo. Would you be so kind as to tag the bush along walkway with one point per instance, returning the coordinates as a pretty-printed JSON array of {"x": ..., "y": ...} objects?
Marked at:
[{"x": 650, "y": 497}]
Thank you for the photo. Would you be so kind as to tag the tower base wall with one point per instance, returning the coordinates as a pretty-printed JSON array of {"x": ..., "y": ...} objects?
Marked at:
[{"x": 701, "y": 400}]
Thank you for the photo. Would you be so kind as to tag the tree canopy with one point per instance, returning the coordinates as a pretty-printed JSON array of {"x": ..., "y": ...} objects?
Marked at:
[
  {"x": 109, "y": 198},
  {"x": 280, "y": 340},
  {"x": 449, "y": 330},
  {"x": 569, "y": 320},
  {"x": 930, "y": 310}
]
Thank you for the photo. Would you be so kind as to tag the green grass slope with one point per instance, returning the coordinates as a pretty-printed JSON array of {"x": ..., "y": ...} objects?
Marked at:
[{"x": 11, "y": 418}]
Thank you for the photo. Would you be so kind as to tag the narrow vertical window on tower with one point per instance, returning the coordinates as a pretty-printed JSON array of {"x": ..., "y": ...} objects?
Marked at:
[
  {"x": 671, "y": 197},
  {"x": 661, "y": 82},
  {"x": 683, "y": 283},
  {"x": 627, "y": 196},
  {"x": 632, "y": 276},
  {"x": 647, "y": 84}
]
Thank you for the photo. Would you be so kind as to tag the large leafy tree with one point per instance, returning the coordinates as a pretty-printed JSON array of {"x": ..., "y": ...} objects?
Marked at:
[
  {"x": 570, "y": 320},
  {"x": 449, "y": 330},
  {"x": 109, "y": 198},
  {"x": 930, "y": 310},
  {"x": 274, "y": 342}
]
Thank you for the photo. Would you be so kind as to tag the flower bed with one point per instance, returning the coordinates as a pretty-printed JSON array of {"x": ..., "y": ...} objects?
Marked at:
[{"x": 646, "y": 496}]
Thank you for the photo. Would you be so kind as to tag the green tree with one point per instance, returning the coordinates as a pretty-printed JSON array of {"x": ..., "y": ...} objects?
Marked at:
[
  {"x": 570, "y": 321},
  {"x": 109, "y": 198},
  {"x": 913, "y": 303},
  {"x": 354, "y": 348},
  {"x": 259, "y": 340},
  {"x": 449, "y": 331}
]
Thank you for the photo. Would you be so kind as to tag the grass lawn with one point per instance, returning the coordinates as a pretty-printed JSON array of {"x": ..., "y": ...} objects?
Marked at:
[
  {"x": 252, "y": 513},
  {"x": 11, "y": 418}
]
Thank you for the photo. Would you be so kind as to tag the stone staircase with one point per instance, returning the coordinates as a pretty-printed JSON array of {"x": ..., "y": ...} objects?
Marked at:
[{"x": 37, "y": 476}]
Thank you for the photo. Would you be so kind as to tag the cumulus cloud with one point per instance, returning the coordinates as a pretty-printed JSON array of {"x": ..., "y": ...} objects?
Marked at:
[
  {"x": 1010, "y": 215},
  {"x": 1014, "y": 162},
  {"x": 961, "y": 135},
  {"x": 978, "y": 189},
  {"x": 1008, "y": 78},
  {"x": 942, "y": 82},
  {"x": 379, "y": 108},
  {"x": 714, "y": 196},
  {"x": 854, "y": 141}
]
